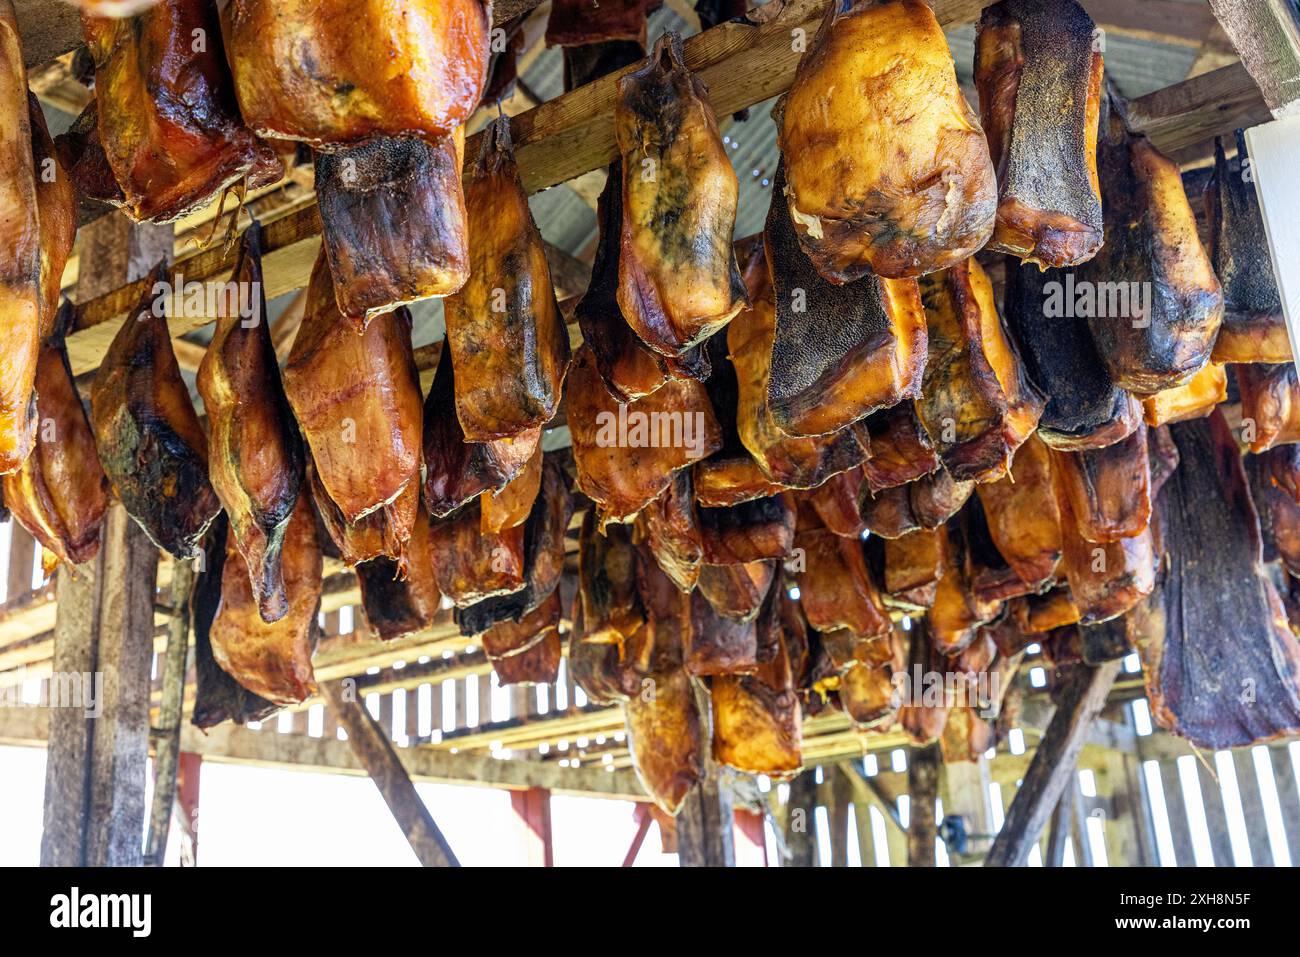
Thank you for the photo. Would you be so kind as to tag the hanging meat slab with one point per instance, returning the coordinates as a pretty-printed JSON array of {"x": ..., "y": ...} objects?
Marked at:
[
  {"x": 672, "y": 531},
  {"x": 966, "y": 736},
  {"x": 1039, "y": 75},
  {"x": 1037, "y": 614},
  {"x": 1022, "y": 516},
  {"x": 666, "y": 738},
  {"x": 888, "y": 513},
  {"x": 836, "y": 503},
  {"x": 168, "y": 121},
  {"x": 56, "y": 207},
  {"x": 272, "y": 660},
  {"x": 1156, "y": 305},
  {"x": 1270, "y": 404},
  {"x": 992, "y": 579},
  {"x": 22, "y": 297},
  {"x": 753, "y": 531},
  {"x": 835, "y": 589},
  {"x": 393, "y": 222},
  {"x": 839, "y": 352},
  {"x": 337, "y": 71},
  {"x": 608, "y": 566},
  {"x": 938, "y": 497},
  {"x": 356, "y": 397},
  {"x": 1195, "y": 399},
  {"x": 1220, "y": 661},
  {"x": 894, "y": 178},
  {"x": 914, "y": 563},
  {"x": 1254, "y": 329},
  {"x": 717, "y": 645},
  {"x": 1085, "y": 409},
  {"x": 511, "y": 504},
  {"x": 1109, "y": 489},
  {"x": 957, "y": 611},
  {"x": 625, "y": 454},
  {"x": 383, "y": 533},
  {"x": 471, "y": 566},
  {"x": 923, "y": 710},
  {"x": 581, "y": 22},
  {"x": 508, "y": 342},
  {"x": 60, "y": 494},
  {"x": 900, "y": 448},
  {"x": 736, "y": 591},
  {"x": 399, "y": 600},
  {"x": 977, "y": 403},
  {"x": 867, "y": 694},
  {"x": 148, "y": 436},
  {"x": 255, "y": 458},
  {"x": 527, "y": 651},
  {"x": 82, "y": 154},
  {"x": 678, "y": 278},
  {"x": 1105, "y": 580}
]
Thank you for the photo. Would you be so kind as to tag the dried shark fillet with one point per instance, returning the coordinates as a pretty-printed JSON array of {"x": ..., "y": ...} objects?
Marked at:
[
  {"x": 402, "y": 599},
  {"x": 471, "y": 566},
  {"x": 272, "y": 660},
  {"x": 678, "y": 278},
  {"x": 666, "y": 735},
  {"x": 914, "y": 563},
  {"x": 1221, "y": 664},
  {"x": 581, "y": 22},
  {"x": 56, "y": 206},
  {"x": 22, "y": 294},
  {"x": 527, "y": 651},
  {"x": 894, "y": 178},
  {"x": 339, "y": 71},
  {"x": 60, "y": 494},
  {"x": 737, "y": 591},
  {"x": 977, "y": 403},
  {"x": 1164, "y": 337},
  {"x": 511, "y": 504},
  {"x": 608, "y": 563},
  {"x": 1270, "y": 404},
  {"x": 1109, "y": 489},
  {"x": 82, "y": 154},
  {"x": 1022, "y": 516},
  {"x": 839, "y": 353},
  {"x": 393, "y": 222},
  {"x": 508, "y": 342},
  {"x": 752, "y": 531},
  {"x": 357, "y": 399},
  {"x": 255, "y": 458},
  {"x": 1039, "y": 75},
  {"x": 717, "y": 645},
  {"x": 836, "y": 503},
  {"x": 625, "y": 454},
  {"x": 1254, "y": 329},
  {"x": 1085, "y": 409},
  {"x": 1192, "y": 400},
  {"x": 1105, "y": 579},
  {"x": 168, "y": 122},
  {"x": 148, "y": 436},
  {"x": 383, "y": 533},
  {"x": 672, "y": 531},
  {"x": 900, "y": 448},
  {"x": 835, "y": 589}
]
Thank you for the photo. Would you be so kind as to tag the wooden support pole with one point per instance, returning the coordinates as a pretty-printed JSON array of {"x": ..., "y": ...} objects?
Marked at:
[
  {"x": 1058, "y": 835},
  {"x": 800, "y": 815},
  {"x": 837, "y": 816},
  {"x": 187, "y": 805},
  {"x": 705, "y": 833},
  {"x": 1267, "y": 35},
  {"x": 167, "y": 736},
  {"x": 1054, "y": 763},
  {"x": 374, "y": 750},
  {"x": 923, "y": 767},
  {"x": 641, "y": 814},
  {"x": 533, "y": 808}
]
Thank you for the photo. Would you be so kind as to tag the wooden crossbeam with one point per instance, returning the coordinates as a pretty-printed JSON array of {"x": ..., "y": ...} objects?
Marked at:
[{"x": 1267, "y": 35}]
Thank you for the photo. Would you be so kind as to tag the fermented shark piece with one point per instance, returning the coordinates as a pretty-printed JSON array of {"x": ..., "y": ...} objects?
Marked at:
[
  {"x": 977, "y": 404},
  {"x": 888, "y": 513},
  {"x": 1022, "y": 516},
  {"x": 82, "y": 154},
  {"x": 22, "y": 295},
  {"x": 937, "y": 498},
  {"x": 167, "y": 118},
  {"x": 1105, "y": 642},
  {"x": 1195, "y": 399},
  {"x": 357, "y": 399},
  {"x": 1037, "y": 614},
  {"x": 625, "y": 454},
  {"x": 582, "y": 22},
  {"x": 900, "y": 448},
  {"x": 56, "y": 205},
  {"x": 789, "y": 462},
  {"x": 1109, "y": 489},
  {"x": 1254, "y": 329},
  {"x": 255, "y": 458},
  {"x": 471, "y": 566},
  {"x": 60, "y": 494},
  {"x": 966, "y": 736},
  {"x": 1220, "y": 661},
  {"x": 1270, "y": 405},
  {"x": 608, "y": 564},
  {"x": 457, "y": 470},
  {"x": 894, "y": 178},
  {"x": 543, "y": 556},
  {"x": 835, "y": 589},
  {"x": 511, "y": 504},
  {"x": 736, "y": 591},
  {"x": 114, "y": 8},
  {"x": 218, "y": 697},
  {"x": 991, "y": 577},
  {"x": 717, "y": 645},
  {"x": 914, "y": 563},
  {"x": 957, "y": 611},
  {"x": 678, "y": 278},
  {"x": 836, "y": 503},
  {"x": 507, "y": 339},
  {"x": 1039, "y": 76},
  {"x": 1085, "y": 409},
  {"x": 1106, "y": 580},
  {"x": 1281, "y": 468},
  {"x": 402, "y": 600},
  {"x": 527, "y": 651},
  {"x": 924, "y": 710},
  {"x": 750, "y": 532},
  {"x": 393, "y": 222},
  {"x": 629, "y": 368},
  {"x": 839, "y": 352},
  {"x": 272, "y": 660},
  {"x": 666, "y": 738},
  {"x": 1165, "y": 332},
  {"x": 672, "y": 532},
  {"x": 867, "y": 694},
  {"x": 149, "y": 440},
  {"x": 383, "y": 533},
  {"x": 338, "y": 71}
]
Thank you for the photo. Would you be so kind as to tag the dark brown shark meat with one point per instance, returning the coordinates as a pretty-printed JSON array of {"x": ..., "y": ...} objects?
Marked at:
[
  {"x": 958, "y": 611},
  {"x": 900, "y": 448},
  {"x": 82, "y": 154},
  {"x": 839, "y": 352},
  {"x": 1036, "y": 614},
  {"x": 149, "y": 439},
  {"x": 383, "y": 533},
  {"x": 471, "y": 566},
  {"x": 584, "y": 22},
  {"x": 1039, "y": 75},
  {"x": 1105, "y": 642},
  {"x": 752, "y": 531},
  {"x": 913, "y": 565},
  {"x": 608, "y": 568},
  {"x": 888, "y": 512},
  {"x": 938, "y": 497},
  {"x": 1254, "y": 329},
  {"x": 56, "y": 207},
  {"x": 737, "y": 591},
  {"x": 1221, "y": 663},
  {"x": 1022, "y": 516},
  {"x": 835, "y": 588},
  {"x": 401, "y": 601},
  {"x": 666, "y": 735},
  {"x": 1109, "y": 489},
  {"x": 672, "y": 531},
  {"x": 527, "y": 651},
  {"x": 717, "y": 645},
  {"x": 1105, "y": 579},
  {"x": 511, "y": 504},
  {"x": 836, "y": 503},
  {"x": 1270, "y": 404}
]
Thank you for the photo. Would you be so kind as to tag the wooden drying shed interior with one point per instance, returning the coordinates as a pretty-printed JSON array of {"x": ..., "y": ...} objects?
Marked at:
[{"x": 1192, "y": 71}]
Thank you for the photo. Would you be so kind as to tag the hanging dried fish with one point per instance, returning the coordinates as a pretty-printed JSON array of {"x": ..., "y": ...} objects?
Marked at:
[
  {"x": 382, "y": 533},
  {"x": 836, "y": 503},
  {"x": 148, "y": 436},
  {"x": 666, "y": 738},
  {"x": 1022, "y": 516},
  {"x": 56, "y": 207},
  {"x": 1039, "y": 74},
  {"x": 678, "y": 278},
  {"x": 1106, "y": 580},
  {"x": 167, "y": 118},
  {"x": 1037, "y": 614},
  {"x": 472, "y": 566},
  {"x": 393, "y": 222},
  {"x": 582, "y": 22},
  {"x": 1270, "y": 404},
  {"x": 511, "y": 504},
  {"x": 958, "y": 610},
  {"x": 914, "y": 563},
  {"x": 736, "y": 591},
  {"x": 336, "y": 71},
  {"x": 255, "y": 458},
  {"x": 1195, "y": 399},
  {"x": 900, "y": 448},
  {"x": 753, "y": 531},
  {"x": 401, "y": 599},
  {"x": 527, "y": 651},
  {"x": 835, "y": 589},
  {"x": 717, "y": 645},
  {"x": 672, "y": 531},
  {"x": 612, "y": 611},
  {"x": 977, "y": 403},
  {"x": 1109, "y": 489}
]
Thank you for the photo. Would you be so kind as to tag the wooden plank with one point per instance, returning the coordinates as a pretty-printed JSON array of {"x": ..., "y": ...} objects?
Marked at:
[
  {"x": 837, "y": 816},
  {"x": 1176, "y": 808},
  {"x": 800, "y": 817},
  {"x": 373, "y": 746},
  {"x": 1198, "y": 109},
  {"x": 1267, "y": 35},
  {"x": 1081, "y": 700},
  {"x": 923, "y": 766},
  {"x": 1059, "y": 833},
  {"x": 705, "y": 835},
  {"x": 1216, "y": 816},
  {"x": 1252, "y": 808},
  {"x": 862, "y": 827}
]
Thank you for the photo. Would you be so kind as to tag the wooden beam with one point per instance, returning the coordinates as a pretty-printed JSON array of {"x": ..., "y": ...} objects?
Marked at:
[
  {"x": 533, "y": 809},
  {"x": 923, "y": 766},
  {"x": 1082, "y": 699},
  {"x": 1193, "y": 112},
  {"x": 800, "y": 818},
  {"x": 1267, "y": 35},
  {"x": 705, "y": 831},
  {"x": 375, "y": 751}
]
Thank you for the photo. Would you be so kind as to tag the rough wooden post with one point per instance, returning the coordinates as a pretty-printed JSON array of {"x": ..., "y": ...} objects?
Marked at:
[
  {"x": 167, "y": 736},
  {"x": 1267, "y": 35},
  {"x": 923, "y": 787},
  {"x": 533, "y": 808},
  {"x": 705, "y": 835},
  {"x": 965, "y": 790},
  {"x": 800, "y": 838}
]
